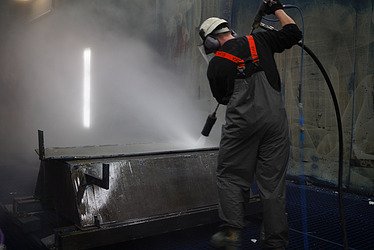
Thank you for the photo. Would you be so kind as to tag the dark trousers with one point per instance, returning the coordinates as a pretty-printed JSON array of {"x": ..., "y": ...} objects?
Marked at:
[{"x": 255, "y": 146}]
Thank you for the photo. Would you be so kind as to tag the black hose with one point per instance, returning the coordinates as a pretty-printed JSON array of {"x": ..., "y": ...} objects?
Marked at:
[{"x": 340, "y": 134}]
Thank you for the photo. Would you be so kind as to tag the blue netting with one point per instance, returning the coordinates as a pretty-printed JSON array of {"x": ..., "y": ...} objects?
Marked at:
[{"x": 322, "y": 223}]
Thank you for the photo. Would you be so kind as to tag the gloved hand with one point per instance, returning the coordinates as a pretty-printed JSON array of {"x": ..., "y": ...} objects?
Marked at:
[{"x": 271, "y": 6}]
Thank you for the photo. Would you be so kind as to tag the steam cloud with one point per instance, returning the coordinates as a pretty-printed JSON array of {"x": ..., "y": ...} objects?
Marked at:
[{"x": 138, "y": 95}]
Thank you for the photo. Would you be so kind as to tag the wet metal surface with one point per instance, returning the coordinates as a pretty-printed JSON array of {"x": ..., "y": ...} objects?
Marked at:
[
  {"x": 101, "y": 151},
  {"x": 141, "y": 185}
]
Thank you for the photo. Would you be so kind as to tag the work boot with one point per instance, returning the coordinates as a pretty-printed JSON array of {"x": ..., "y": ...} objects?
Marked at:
[{"x": 229, "y": 239}]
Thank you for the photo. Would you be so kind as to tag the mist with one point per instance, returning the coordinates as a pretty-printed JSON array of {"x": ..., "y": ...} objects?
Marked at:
[{"x": 139, "y": 94}]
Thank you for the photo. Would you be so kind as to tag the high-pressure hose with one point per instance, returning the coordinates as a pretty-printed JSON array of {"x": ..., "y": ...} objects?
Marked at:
[
  {"x": 339, "y": 123},
  {"x": 340, "y": 135}
]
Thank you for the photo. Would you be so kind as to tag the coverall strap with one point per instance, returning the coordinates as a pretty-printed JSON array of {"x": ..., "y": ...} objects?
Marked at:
[
  {"x": 252, "y": 48},
  {"x": 240, "y": 62},
  {"x": 229, "y": 56}
]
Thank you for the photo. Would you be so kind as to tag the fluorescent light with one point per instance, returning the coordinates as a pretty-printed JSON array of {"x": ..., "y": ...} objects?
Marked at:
[{"x": 86, "y": 87}]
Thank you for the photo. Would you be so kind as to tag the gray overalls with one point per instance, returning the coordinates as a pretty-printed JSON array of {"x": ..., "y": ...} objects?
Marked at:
[{"x": 255, "y": 143}]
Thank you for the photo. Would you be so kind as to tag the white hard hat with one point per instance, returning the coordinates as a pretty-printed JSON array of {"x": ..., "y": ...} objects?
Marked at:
[{"x": 209, "y": 25}]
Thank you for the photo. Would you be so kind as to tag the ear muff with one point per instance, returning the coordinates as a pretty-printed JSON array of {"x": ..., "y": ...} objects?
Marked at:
[{"x": 211, "y": 44}]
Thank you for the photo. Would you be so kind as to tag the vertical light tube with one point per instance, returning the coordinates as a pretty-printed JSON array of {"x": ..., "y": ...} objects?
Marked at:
[{"x": 86, "y": 87}]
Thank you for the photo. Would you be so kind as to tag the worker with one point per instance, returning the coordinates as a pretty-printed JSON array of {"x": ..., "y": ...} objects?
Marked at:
[{"x": 255, "y": 141}]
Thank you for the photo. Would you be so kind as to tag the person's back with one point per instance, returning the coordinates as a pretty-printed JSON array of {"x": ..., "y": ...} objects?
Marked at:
[{"x": 222, "y": 73}]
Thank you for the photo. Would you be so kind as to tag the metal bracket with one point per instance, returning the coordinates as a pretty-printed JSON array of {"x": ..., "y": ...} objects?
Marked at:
[
  {"x": 97, "y": 222},
  {"x": 41, "y": 145},
  {"x": 103, "y": 182}
]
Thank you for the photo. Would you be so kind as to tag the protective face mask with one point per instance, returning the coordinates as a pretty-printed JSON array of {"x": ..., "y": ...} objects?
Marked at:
[{"x": 207, "y": 57}]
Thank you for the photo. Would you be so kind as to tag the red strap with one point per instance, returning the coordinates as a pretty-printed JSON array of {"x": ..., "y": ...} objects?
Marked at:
[
  {"x": 228, "y": 56},
  {"x": 237, "y": 60},
  {"x": 252, "y": 47}
]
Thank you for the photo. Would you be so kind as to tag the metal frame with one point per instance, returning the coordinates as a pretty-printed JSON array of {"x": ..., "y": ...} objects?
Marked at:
[
  {"x": 55, "y": 188},
  {"x": 70, "y": 238}
]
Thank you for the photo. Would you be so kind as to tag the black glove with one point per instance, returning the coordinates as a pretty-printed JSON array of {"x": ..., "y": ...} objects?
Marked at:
[{"x": 271, "y": 6}]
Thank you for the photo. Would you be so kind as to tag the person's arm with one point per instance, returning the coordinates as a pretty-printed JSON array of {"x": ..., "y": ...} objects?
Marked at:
[
  {"x": 278, "y": 41},
  {"x": 283, "y": 18},
  {"x": 286, "y": 37},
  {"x": 221, "y": 77}
]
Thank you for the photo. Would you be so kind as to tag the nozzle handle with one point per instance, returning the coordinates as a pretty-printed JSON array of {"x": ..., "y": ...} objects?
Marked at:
[
  {"x": 209, "y": 124},
  {"x": 215, "y": 110}
]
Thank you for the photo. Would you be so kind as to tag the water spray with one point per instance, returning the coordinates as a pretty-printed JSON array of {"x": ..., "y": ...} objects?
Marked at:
[{"x": 212, "y": 118}]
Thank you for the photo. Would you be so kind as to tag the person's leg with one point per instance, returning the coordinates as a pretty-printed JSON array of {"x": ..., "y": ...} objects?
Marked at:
[
  {"x": 270, "y": 176},
  {"x": 237, "y": 161},
  {"x": 228, "y": 238},
  {"x": 235, "y": 170}
]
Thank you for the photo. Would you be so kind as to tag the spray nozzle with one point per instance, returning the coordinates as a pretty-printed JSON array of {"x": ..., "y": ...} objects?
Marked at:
[{"x": 209, "y": 123}]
